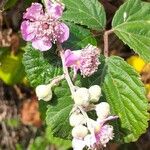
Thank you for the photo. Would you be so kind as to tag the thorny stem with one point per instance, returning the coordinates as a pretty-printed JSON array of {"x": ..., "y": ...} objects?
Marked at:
[
  {"x": 65, "y": 69},
  {"x": 106, "y": 34}
]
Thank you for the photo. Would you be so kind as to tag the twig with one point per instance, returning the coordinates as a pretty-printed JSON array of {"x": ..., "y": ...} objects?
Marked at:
[{"x": 106, "y": 34}]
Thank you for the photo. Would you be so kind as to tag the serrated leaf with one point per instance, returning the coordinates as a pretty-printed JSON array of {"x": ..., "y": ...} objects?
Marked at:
[
  {"x": 40, "y": 70},
  {"x": 57, "y": 116},
  {"x": 131, "y": 24},
  {"x": 126, "y": 95},
  {"x": 79, "y": 37},
  {"x": 85, "y": 12},
  {"x": 59, "y": 142}
]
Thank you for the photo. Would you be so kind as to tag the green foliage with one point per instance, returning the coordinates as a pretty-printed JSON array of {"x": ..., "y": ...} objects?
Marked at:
[
  {"x": 40, "y": 67},
  {"x": 57, "y": 116},
  {"x": 126, "y": 95},
  {"x": 39, "y": 143},
  {"x": 131, "y": 24},
  {"x": 85, "y": 12},
  {"x": 13, "y": 123},
  {"x": 79, "y": 37},
  {"x": 59, "y": 142},
  {"x": 11, "y": 68},
  {"x": 9, "y": 4}
]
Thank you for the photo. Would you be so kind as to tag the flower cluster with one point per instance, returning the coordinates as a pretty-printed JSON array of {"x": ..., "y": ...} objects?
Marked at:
[
  {"x": 87, "y": 132},
  {"x": 43, "y": 28},
  {"x": 85, "y": 60}
]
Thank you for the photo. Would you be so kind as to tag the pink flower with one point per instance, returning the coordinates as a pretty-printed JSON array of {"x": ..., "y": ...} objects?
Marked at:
[
  {"x": 85, "y": 60},
  {"x": 44, "y": 28},
  {"x": 100, "y": 134}
]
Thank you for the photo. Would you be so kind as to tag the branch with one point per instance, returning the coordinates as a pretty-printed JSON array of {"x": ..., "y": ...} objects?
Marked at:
[{"x": 106, "y": 34}]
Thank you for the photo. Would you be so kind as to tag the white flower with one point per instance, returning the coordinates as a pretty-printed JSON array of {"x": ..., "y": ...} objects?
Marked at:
[
  {"x": 44, "y": 92},
  {"x": 76, "y": 119},
  {"x": 79, "y": 132},
  {"x": 81, "y": 97},
  {"x": 95, "y": 93},
  {"x": 102, "y": 110}
]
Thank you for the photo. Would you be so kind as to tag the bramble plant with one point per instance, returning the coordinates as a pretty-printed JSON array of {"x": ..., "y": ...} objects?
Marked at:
[{"x": 85, "y": 90}]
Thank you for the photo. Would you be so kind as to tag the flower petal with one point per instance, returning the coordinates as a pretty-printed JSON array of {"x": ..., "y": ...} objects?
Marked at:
[
  {"x": 71, "y": 58},
  {"x": 54, "y": 9},
  {"x": 64, "y": 32},
  {"x": 27, "y": 31},
  {"x": 42, "y": 44},
  {"x": 33, "y": 12}
]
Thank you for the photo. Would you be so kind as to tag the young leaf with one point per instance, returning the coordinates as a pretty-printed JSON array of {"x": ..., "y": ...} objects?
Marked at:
[
  {"x": 40, "y": 70},
  {"x": 126, "y": 95},
  {"x": 57, "y": 116},
  {"x": 79, "y": 37},
  {"x": 131, "y": 24},
  {"x": 85, "y": 12}
]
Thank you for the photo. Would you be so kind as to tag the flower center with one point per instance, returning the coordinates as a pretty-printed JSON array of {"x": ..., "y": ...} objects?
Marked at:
[{"x": 45, "y": 26}]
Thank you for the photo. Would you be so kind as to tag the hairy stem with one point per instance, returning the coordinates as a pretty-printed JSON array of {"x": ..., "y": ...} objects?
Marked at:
[
  {"x": 106, "y": 34},
  {"x": 56, "y": 80},
  {"x": 65, "y": 69}
]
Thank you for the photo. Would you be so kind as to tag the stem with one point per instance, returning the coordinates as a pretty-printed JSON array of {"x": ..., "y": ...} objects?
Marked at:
[
  {"x": 106, "y": 34},
  {"x": 56, "y": 80},
  {"x": 65, "y": 69}
]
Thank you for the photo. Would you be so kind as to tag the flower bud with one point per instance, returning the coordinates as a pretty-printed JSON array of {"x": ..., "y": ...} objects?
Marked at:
[
  {"x": 76, "y": 119},
  {"x": 81, "y": 97},
  {"x": 44, "y": 92},
  {"x": 95, "y": 93},
  {"x": 102, "y": 110},
  {"x": 79, "y": 132}
]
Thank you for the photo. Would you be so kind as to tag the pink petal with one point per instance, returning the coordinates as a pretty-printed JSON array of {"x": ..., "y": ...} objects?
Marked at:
[
  {"x": 33, "y": 12},
  {"x": 42, "y": 44},
  {"x": 65, "y": 32},
  {"x": 54, "y": 9},
  {"x": 71, "y": 57},
  {"x": 27, "y": 31}
]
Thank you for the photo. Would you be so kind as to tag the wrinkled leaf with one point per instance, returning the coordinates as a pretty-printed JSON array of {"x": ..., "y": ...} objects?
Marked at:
[
  {"x": 126, "y": 95},
  {"x": 131, "y": 24},
  {"x": 85, "y": 12}
]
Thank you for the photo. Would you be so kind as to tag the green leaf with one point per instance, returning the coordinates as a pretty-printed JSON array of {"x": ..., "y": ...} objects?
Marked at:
[
  {"x": 9, "y": 4},
  {"x": 59, "y": 143},
  {"x": 57, "y": 116},
  {"x": 11, "y": 68},
  {"x": 79, "y": 37},
  {"x": 40, "y": 67},
  {"x": 126, "y": 95},
  {"x": 131, "y": 24},
  {"x": 85, "y": 12}
]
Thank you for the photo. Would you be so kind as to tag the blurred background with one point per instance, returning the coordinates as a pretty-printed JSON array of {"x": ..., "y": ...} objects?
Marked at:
[{"x": 21, "y": 125}]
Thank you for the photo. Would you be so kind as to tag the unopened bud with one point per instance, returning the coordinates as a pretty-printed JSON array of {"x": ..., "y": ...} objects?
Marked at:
[
  {"x": 76, "y": 119},
  {"x": 102, "y": 110},
  {"x": 44, "y": 92},
  {"x": 81, "y": 97},
  {"x": 79, "y": 132},
  {"x": 95, "y": 93}
]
